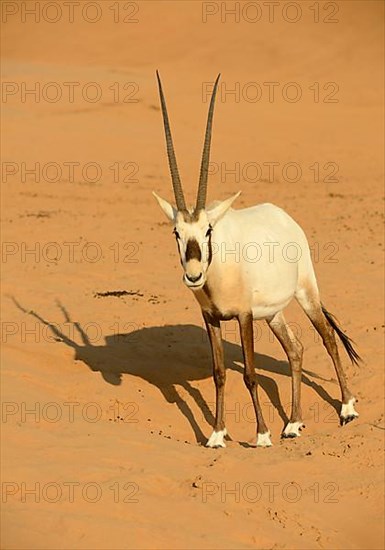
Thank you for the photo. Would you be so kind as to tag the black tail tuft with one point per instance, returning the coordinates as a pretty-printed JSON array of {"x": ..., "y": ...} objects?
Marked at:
[{"x": 347, "y": 342}]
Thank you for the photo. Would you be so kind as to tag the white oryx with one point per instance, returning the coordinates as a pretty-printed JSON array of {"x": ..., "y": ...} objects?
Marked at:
[{"x": 245, "y": 286}]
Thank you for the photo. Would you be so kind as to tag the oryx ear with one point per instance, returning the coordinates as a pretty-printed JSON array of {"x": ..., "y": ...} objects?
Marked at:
[
  {"x": 167, "y": 208},
  {"x": 214, "y": 214}
]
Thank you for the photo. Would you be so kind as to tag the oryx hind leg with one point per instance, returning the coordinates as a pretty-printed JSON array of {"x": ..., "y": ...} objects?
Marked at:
[
  {"x": 326, "y": 326},
  {"x": 294, "y": 351}
]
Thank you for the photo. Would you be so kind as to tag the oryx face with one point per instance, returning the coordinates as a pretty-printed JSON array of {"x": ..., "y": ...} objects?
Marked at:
[
  {"x": 192, "y": 228},
  {"x": 194, "y": 232},
  {"x": 193, "y": 237}
]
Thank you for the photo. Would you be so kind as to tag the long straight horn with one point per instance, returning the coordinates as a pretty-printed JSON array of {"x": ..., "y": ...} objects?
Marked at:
[
  {"x": 176, "y": 183},
  {"x": 202, "y": 189}
]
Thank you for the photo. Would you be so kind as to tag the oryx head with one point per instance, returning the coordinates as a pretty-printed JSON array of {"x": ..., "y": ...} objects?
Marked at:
[{"x": 193, "y": 227}]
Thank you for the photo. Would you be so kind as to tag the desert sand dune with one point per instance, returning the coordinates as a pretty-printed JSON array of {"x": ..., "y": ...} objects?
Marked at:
[{"x": 107, "y": 393}]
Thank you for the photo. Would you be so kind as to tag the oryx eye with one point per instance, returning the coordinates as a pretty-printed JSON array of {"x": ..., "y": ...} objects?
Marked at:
[
  {"x": 208, "y": 232},
  {"x": 176, "y": 234}
]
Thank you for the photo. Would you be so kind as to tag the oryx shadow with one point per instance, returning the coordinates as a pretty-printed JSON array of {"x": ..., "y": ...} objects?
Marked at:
[{"x": 169, "y": 357}]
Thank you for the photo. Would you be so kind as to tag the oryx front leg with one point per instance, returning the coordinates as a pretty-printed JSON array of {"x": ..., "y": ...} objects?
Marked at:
[
  {"x": 294, "y": 351},
  {"x": 250, "y": 377},
  {"x": 214, "y": 331}
]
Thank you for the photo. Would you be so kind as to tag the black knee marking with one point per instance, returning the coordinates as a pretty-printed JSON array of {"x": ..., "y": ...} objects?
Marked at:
[
  {"x": 295, "y": 355},
  {"x": 250, "y": 379},
  {"x": 219, "y": 378}
]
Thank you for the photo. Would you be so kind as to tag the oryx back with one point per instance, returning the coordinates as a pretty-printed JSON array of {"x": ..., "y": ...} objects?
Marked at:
[{"x": 260, "y": 257}]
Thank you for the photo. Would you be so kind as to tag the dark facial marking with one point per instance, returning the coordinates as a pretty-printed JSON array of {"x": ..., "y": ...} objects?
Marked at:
[
  {"x": 193, "y": 251},
  {"x": 210, "y": 250}
]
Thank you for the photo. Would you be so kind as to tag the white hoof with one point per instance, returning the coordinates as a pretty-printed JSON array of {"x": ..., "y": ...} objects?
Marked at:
[
  {"x": 293, "y": 429},
  {"x": 348, "y": 413},
  {"x": 263, "y": 440},
  {"x": 217, "y": 439}
]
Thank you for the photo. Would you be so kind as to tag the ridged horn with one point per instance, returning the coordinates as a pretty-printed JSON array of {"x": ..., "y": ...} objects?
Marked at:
[
  {"x": 202, "y": 188},
  {"x": 176, "y": 183}
]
